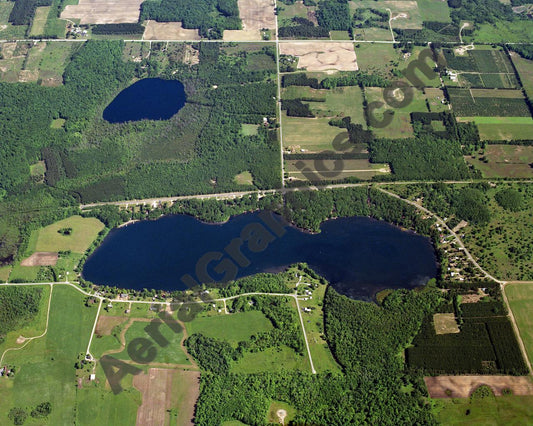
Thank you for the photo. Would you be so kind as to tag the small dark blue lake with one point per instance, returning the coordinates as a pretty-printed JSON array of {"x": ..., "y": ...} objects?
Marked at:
[
  {"x": 147, "y": 99},
  {"x": 359, "y": 256}
]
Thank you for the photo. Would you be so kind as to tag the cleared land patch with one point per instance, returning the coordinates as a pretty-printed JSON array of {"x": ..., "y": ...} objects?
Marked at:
[
  {"x": 320, "y": 56},
  {"x": 103, "y": 11},
  {"x": 317, "y": 136},
  {"x": 105, "y": 324},
  {"x": 521, "y": 301},
  {"x": 82, "y": 234},
  {"x": 513, "y": 161},
  {"x": 41, "y": 259},
  {"x": 362, "y": 169},
  {"x": 255, "y": 15},
  {"x": 463, "y": 386},
  {"x": 39, "y": 20},
  {"x": 445, "y": 323},
  {"x": 168, "y": 31},
  {"x": 159, "y": 396}
]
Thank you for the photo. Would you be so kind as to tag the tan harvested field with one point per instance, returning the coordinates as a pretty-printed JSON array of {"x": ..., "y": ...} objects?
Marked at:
[
  {"x": 497, "y": 93},
  {"x": 321, "y": 56},
  {"x": 105, "y": 324},
  {"x": 333, "y": 169},
  {"x": 103, "y": 11},
  {"x": 463, "y": 386},
  {"x": 445, "y": 324},
  {"x": 257, "y": 14},
  {"x": 42, "y": 258},
  {"x": 164, "y": 389},
  {"x": 168, "y": 31}
]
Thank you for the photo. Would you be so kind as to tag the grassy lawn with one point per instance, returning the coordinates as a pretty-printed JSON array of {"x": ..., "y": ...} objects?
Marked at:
[
  {"x": 250, "y": 129},
  {"x": 84, "y": 232},
  {"x": 4, "y": 273},
  {"x": 434, "y": 10},
  {"x": 232, "y": 328},
  {"x": 271, "y": 359},
  {"x": 39, "y": 20},
  {"x": 313, "y": 134},
  {"x": 314, "y": 328},
  {"x": 171, "y": 354},
  {"x": 521, "y": 300},
  {"x": 46, "y": 365},
  {"x": 244, "y": 178},
  {"x": 511, "y": 161},
  {"x": 24, "y": 273},
  {"x": 272, "y": 416},
  {"x": 504, "y": 410}
]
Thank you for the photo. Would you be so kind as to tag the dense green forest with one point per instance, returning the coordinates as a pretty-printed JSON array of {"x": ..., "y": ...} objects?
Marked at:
[
  {"x": 199, "y": 150},
  {"x": 18, "y": 305},
  {"x": 210, "y": 17},
  {"x": 366, "y": 340}
]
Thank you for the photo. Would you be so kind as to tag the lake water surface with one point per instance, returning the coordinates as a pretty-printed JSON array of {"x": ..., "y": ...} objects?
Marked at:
[
  {"x": 358, "y": 255},
  {"x": 150, "y": 98}
]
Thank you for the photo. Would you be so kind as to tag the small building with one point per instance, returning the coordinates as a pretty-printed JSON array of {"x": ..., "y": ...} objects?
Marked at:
[{"x": 92, "y": 377}]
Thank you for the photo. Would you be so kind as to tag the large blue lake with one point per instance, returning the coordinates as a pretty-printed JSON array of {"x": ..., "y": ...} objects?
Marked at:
[
  {"x": 358, "y": 255},
  {"x": 147, "y": 99}
]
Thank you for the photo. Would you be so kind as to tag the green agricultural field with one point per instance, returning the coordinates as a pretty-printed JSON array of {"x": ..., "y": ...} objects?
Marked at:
[
  {"x": 525, "y": 70},
  {"x": 46, "y": 365},
  {"x": 24, "y": 273},
  {"x": 434, "y": 10},
  {"x": 271, "y": 360},
  {"x": 504, "y": 161},
  {"x": 171, "y": 354},
  {"x": 521, "y": 301},
  {"x": 400, "y": 127},
  {"x": 504, "y": 410},
  {"x": 7, "y": 30},
  {"x": 341, "y": 102},
  {"x": 232, "y": 328},
  {"x": 503, "y": 32},
  {"x": 372, "y": 34},
  {"x": 318, "y": 135},
  {"x": 84, "y": 232},
  {"x": 289, "y": 11},
  {"x": 375, "y": 57},
  {"x": 361, "y": 169},
  {"x": 4, "y": 273},
  {"x": 39, "y": 20}
]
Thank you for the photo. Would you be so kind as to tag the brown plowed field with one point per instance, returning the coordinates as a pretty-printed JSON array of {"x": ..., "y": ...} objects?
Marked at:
[
  {"x": 164, "y": 389},
  {"x": 41, "y": 258},
  {"x": 463, "y": 386}
]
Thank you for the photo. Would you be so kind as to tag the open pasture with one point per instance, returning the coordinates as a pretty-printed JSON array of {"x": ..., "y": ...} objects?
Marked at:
[
  {"x": 372, "y": 34},
  {"x": 39, "y": 20},
  {"x": 46, "y": 365},
  {"x": 325, "y": 169},
  {"x": 83, "y": 233},
  {"x": 310, "y": 134},
  {"x": 521, "y": 301},
  {"x": 168, "y": 31},
  {"x": 322, "y": 56},
  {"x": 512, "y": 161},
  {"x": 503, "y": 128},
  {"x": 232, "y": 328},
  {"x": 103, "y": 11},
  {"x": 506, "y": 410},
  {"x": 400, "y": 126},
  {"x": 375, "y": 57},
  {"x": 405, "y": 14},
  {"x": 434, "y": 10}
]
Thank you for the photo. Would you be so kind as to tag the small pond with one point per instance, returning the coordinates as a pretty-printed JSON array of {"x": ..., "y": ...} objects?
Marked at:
[{"x": 147, "y": 99}]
